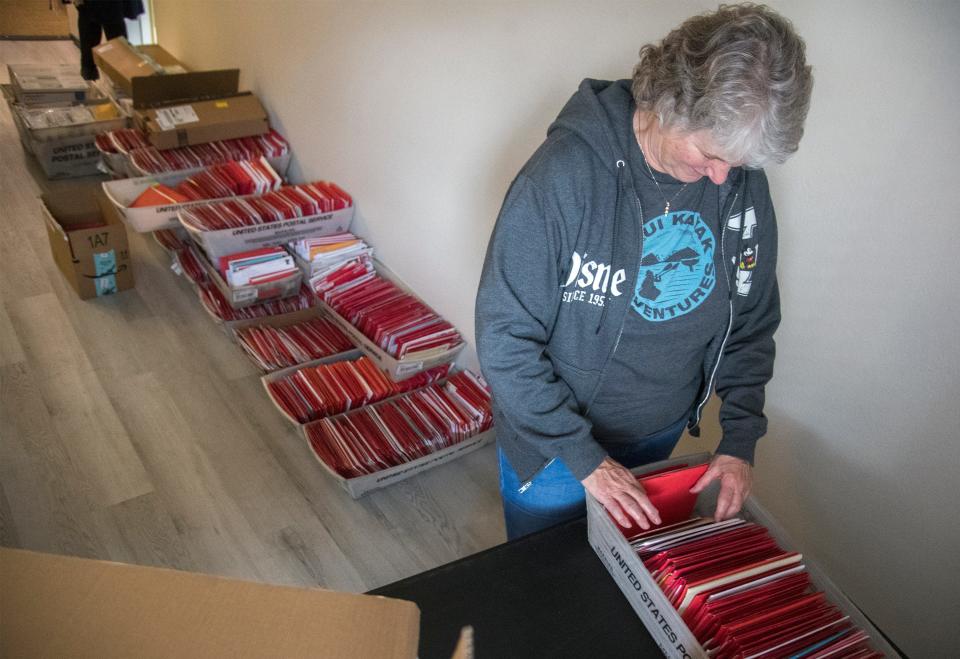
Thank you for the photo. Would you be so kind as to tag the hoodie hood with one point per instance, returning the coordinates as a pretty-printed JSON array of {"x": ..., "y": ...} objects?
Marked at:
[
  {"x": 595, "y": 114},
  {"x": 592, "y": 114},
  {"x": 599, "y": 115}
]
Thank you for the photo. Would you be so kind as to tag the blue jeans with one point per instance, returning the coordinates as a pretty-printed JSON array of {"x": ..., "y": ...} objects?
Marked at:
[{"x": 555, "y": 495}]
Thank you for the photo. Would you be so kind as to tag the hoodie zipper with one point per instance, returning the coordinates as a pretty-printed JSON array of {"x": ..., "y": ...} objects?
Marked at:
[
  {"x": 526, "y": 484},
  {"x": 623, "y": 318},
  {"x": 726, "y": 272}
]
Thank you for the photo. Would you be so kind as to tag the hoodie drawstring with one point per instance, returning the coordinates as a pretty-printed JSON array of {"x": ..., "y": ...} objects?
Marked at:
[{"x": 621, "y": 165}]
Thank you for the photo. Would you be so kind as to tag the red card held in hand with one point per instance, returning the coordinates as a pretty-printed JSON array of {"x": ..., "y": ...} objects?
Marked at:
[{"x": 669, "y": 492}]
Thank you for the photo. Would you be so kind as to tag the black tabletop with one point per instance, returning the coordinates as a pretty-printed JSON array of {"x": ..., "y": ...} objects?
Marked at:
[{"x": 545, "y": 595}]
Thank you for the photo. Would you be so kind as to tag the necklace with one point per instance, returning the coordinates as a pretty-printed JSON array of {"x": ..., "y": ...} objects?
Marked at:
[{"x": 667, "y": 202}]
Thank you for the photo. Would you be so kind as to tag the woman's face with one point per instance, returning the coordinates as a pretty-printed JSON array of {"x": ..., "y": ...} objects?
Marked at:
[{"x": 688, "y": 157}]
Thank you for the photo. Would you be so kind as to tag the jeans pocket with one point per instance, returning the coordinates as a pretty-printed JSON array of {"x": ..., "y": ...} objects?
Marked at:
[{"x": 553, "y": 489}]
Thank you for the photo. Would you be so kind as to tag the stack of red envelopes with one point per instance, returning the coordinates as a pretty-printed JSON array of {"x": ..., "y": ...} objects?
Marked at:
[
  {"x": 231, "y": 179},
  {"x": 285, "y": 203},
  {"x": 213, "y": 301},
  {"x": 400, "y": 323},
  {"x": 341, "y": 275},
  {"x": 737, "y": 590},
  {"x": 315, "y": 392},
  {"x": 273, "y": 348},
  {"x": 122, "y": 140},
  {"x": 169, "y": 240},
  {"x": 189, "y": 262},
  {"x": 471, "y": 392},
  {"x": 155, "y": 161},
  {"x": 159, "y": 194},
  {"x": 390, "y": 433}
]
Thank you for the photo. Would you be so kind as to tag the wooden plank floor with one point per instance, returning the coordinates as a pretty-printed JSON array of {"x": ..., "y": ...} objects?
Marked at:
[{"x": 132, "y": 429}]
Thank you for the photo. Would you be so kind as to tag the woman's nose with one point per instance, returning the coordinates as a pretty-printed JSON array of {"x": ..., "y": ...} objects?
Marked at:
[{"x": 718, "y": 170}]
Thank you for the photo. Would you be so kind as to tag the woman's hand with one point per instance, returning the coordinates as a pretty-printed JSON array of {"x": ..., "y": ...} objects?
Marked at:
[
  {"x": 736, "y": 479},
  {"x": 618, "y": 491}
]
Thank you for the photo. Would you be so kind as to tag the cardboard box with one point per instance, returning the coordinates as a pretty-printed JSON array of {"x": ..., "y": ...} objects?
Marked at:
[
  {"x": 59, "y": 606},
  {"x": 95, "y": 260},
  {"x": 151, "y": 76},
  {"x": 199, "y": 122},
  {"x": 230, "y": 241},
  {"x": 654, "y": 610},
  {"x": 397, "y": 369},
  {"x": 51, "y": 84},
  {"x": 104, "y": 86},
  {"x": 62, "y": 151}
]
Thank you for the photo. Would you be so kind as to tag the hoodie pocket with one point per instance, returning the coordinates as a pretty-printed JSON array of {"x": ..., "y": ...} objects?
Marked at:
[{"x": 582, "y": 381}]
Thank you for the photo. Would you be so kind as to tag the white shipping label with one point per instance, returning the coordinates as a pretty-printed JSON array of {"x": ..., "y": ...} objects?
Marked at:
[
  {"x": 412, "y": 367},
  {"x": 169, "y": 118},
  {"x": 244, "y": 294}
]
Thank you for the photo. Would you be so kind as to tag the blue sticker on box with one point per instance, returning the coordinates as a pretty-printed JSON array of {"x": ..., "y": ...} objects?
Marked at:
[
  {"x": 104, "y": 263},
  {"x": 106, "y": 285}
]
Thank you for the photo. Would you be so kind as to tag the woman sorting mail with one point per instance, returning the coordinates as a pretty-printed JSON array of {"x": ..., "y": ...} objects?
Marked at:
[{"x": 631, "y": 272}]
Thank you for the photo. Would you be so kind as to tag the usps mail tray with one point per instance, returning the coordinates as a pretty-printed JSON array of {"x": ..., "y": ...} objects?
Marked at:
[{"x": 657, "y": 614}]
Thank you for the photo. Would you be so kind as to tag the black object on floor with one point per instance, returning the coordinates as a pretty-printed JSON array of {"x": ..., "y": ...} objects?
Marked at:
[{"x": 545, "y": 595}]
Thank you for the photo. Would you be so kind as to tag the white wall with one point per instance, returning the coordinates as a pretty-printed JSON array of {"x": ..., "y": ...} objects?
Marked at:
[{"x": 426, "y": 110}]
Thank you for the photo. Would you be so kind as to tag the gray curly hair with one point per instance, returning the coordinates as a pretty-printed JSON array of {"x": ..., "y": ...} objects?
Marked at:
[{"x": 739, "y": 72}]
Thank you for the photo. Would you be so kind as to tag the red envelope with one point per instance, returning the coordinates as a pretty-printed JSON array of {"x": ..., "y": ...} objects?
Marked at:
[
  {"x": 669, "y": 492},
  {"x": 158, "y": 195}
]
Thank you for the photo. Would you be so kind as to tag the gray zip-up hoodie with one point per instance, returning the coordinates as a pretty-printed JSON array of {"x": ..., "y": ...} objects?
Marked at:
[{"x": 574, "y": 205}]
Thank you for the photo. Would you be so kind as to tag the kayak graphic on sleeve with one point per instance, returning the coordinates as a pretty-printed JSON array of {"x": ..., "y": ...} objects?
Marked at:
[{"x": 677, "y": 271}]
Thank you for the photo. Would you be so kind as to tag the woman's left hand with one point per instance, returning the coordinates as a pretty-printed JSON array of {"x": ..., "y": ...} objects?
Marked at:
[{"x": 736, "y": 479}]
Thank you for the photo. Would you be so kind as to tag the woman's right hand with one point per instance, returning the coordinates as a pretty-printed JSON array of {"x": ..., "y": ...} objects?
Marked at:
[{"x": 618, "y": 491}]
